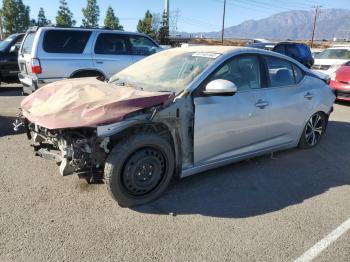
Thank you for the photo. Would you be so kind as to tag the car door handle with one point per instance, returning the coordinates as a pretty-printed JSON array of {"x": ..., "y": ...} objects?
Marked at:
[
  {"x": 309, "y": 95},
  {"x": 99, "y": 62},
  {"x": 262, "y": 104}
]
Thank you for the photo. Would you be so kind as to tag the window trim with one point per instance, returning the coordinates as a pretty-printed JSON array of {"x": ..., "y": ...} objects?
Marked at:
[
  {"x": 123, "y": 36},
  {"x": 198, "y": 91}
]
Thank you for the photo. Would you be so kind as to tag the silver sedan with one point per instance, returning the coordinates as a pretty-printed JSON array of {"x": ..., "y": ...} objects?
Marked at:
[{"x": 181, "y": 112}]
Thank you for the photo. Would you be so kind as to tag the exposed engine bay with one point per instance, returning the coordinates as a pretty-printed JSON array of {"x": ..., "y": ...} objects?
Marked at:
[{"x": 74, "y": 150}]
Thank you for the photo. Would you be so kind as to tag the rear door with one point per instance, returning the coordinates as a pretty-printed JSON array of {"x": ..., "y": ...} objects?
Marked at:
[
  {"x": 290, "y": 100},
  {"x": 112, "y": 53},
  {"x": 25, "y": 53}
]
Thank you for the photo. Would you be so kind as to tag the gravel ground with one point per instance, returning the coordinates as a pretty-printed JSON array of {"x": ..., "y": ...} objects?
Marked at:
[{"x": 264, "y": 209}]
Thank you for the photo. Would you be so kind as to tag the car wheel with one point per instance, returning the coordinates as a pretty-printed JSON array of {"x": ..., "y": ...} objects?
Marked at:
[
  {"x": 139, "y": 169},
  {"x": 313, "y": 131}
]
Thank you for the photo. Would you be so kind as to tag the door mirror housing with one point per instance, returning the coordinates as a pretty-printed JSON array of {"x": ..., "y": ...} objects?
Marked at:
[{"x": 220, "y": 87}]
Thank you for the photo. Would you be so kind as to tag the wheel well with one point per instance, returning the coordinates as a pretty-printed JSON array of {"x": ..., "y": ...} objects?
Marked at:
[
  {"x": 157, "y": 128},
  {"x": 87, "y": 73}
]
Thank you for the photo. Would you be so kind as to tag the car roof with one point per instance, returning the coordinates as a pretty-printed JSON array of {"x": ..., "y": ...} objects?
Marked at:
[{"x": 84, "y": 29}]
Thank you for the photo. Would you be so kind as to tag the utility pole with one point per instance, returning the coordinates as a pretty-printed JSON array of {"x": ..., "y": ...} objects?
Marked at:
[
  {"x": 315, "y": 22},
  {"x": 223, "y": 24}
]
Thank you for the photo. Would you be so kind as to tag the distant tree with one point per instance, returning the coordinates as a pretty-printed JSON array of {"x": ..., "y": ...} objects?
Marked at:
[
  {"x": 42, "y": 21},
  {"x": 91, "y": 14},
  {"x": 163, "y": 35},
  {"x": 15, "y": 16},
  {"x": 111, "y": 21},
  {"x": 64, "y": 16},
  {"x": 33, "y": 22},
  {"x": 156, "y": 23},
  {"x": 145, "y": 25}
]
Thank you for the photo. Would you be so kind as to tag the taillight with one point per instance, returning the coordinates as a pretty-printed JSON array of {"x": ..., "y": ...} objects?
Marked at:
[{"x": 36, "y": 67}]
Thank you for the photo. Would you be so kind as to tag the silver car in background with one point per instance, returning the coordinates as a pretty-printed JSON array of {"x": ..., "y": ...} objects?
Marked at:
[
  {"x": 49, "y": 54},
  {"x": 188, "y": 110}
]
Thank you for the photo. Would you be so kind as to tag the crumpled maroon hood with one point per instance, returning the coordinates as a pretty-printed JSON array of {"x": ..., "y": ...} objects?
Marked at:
[{"x": 86, "y": 102}]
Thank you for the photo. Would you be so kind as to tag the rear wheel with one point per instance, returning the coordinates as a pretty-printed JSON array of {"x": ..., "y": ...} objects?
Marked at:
[
  {"x": 139, "y": 169},
  {"x": 313, "y": 131}
]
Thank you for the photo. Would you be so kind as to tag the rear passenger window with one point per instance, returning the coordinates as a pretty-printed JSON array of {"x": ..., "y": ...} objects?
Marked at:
[
  {"x": 280, "y": 72},
  {"x": 111, "y": 44},
  {"x": 298, "y": 74},
  {"x": 142, "y": 45},
  {"x": 66, "y": 41}
]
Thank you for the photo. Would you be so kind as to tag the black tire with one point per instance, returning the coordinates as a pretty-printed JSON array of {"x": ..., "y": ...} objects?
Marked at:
[
  {"x": 313, "y": 130},
  {"x": 139, "y": 169},
  {"x": 88, "y": 73}
]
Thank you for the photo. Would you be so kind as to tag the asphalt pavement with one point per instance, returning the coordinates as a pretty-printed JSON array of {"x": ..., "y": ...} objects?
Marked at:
[{"x": 271, "y": 208}]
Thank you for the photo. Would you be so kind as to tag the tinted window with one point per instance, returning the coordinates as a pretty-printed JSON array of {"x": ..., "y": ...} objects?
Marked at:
[
  {"x": 279, "y": 49},
  {"x": 243, "y": 71},
  {"x": 142, "y": 45},
  {"x": 28, "y": 43},
  {"x": 66, "y": 41},
  {"x": 292, "y": 51},
  {"x": 298, "y": 74},
  {"x": 280, "y": 72},
  {"x": 111, "y": 44},
  {"x": 334, "y": 54},
  {"x": 304, "y": 50}
]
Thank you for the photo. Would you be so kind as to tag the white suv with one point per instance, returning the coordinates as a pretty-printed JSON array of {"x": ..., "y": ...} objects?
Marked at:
[{"x": 48, "y": 54}]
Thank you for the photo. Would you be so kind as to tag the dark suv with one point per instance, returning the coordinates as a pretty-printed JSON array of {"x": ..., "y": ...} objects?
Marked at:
[
  {"x": 298, "y": 51},
  {"x": 8, "y": 58}
]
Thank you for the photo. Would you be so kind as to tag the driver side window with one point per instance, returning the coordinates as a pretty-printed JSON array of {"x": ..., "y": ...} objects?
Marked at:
[{"x": 243, "y": 71}]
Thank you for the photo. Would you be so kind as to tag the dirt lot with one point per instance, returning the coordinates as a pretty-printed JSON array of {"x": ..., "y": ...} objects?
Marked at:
[{"x": 264, "y": 209}]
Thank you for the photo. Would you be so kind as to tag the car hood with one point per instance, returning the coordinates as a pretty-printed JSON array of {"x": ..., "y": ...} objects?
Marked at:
[{"x": 86, "y": 102}]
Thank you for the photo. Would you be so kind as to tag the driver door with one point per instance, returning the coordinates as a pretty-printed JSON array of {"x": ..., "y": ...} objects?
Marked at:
[{"x": 229, "y": 126}]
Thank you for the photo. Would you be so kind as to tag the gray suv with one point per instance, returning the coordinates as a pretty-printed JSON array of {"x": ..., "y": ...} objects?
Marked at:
[{"x": 48, "y": 54}]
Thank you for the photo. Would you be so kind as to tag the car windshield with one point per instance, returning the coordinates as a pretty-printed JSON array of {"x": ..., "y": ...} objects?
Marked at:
[
  {"x": 168, "y": 71},
  {"x": 334, "y": 54},
  {"x": 5, "y": 43}
]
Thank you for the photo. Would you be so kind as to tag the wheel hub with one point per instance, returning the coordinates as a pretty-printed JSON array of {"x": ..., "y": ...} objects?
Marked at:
[
  {"x": 314, "y": 130},
  {"x": 143, "y": 171}
]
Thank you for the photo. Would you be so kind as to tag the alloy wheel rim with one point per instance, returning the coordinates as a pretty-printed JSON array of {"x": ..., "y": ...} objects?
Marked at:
[{"x": 314, "y": 130}]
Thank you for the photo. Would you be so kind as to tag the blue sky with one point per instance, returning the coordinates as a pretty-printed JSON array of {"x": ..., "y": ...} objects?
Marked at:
[{"x": 194, "y": 15}]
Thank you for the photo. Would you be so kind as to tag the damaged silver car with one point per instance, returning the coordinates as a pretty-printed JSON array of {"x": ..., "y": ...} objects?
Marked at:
[{"x": 177, "y": 113}]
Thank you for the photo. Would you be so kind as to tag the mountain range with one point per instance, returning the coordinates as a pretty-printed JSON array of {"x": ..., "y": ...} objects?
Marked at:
[{"x": 295, "y": 25}]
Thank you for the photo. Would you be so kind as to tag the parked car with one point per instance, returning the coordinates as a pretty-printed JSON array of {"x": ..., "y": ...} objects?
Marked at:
[
  {"x": 49, "y": 54},
  {"x": 177, "y": 113},
  {"x": 298, "y": 51},
  {"x": 340, "y": 82},
  {"x": 261, "y": 45},
  {"x": 329, "y": 60},
  {"x": 8, "y": 58}
]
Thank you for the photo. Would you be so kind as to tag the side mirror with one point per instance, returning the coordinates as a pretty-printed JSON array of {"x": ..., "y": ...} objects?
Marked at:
[
  {"x": 220, "y": 87},
  {"x": 14, "y": 49}
]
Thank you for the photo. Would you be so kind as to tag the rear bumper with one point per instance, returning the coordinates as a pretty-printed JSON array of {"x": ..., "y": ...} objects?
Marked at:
[{"x": 32, "y": 83}]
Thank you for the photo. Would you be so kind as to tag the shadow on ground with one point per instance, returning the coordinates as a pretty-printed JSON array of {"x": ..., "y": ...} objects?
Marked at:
[
  {"x": 6, "y": 126},
  {"x": 13, "y": 90},
  {"x": 262, "y": 185}
]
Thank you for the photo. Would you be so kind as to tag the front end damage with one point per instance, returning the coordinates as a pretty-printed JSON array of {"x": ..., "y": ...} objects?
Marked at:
[{"x": 76, "y": 150}]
